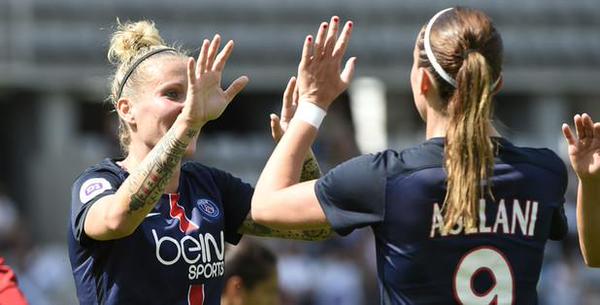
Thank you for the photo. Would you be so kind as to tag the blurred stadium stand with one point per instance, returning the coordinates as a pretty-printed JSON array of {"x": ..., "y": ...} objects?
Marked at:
[
  {"x": 62, "y": 43},
  {"x": 54, "y": 73}
]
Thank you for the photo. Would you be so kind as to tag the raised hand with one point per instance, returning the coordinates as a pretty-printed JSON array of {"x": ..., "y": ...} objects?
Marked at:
[
  {"x": 584, "y": 149},
  {"x": 205, "y": 100},
  {"x": 320, "y": 78},
  {"x": 288, "y": 108}
]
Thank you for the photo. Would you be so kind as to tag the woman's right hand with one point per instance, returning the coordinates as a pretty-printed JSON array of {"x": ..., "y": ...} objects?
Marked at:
[
  {"x": 584, "y": 150},
  {"x": 288, "y": 108},
  {"x": 205, "y": 100},
  {"x": 320, "y": 78}
]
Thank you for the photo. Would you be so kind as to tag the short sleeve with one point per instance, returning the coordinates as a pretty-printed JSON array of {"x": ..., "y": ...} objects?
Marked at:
[
  {"x": 88, "y": 189},
  {"x": 559, "y": 227},
  {"x": 236, "y": 196},
  {"x": 352, "y": 195}
]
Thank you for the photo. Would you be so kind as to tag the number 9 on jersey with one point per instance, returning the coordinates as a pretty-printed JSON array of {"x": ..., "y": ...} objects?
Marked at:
[{"x": 492, "y": 261}]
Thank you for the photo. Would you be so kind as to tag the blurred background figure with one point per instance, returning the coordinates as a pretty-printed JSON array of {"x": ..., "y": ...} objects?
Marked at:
[
  {"x": 10, "y": 294},
  {"x": 29, "y": 259},
  {"x": 11, "y": 235},
  {"x": 53, "y": 88},
  {"x": 250, "y": 275}
]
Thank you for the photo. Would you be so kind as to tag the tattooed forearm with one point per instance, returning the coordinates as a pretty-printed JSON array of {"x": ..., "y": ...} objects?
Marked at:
[
  {"x": 253, "y": 228},
  {"x": 148, "y": 182},
  {"x": 310, "y": 169}
]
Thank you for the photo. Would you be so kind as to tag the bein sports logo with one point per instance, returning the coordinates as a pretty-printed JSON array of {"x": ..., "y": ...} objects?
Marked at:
[
  {"x": 92, "y": 188},
  {"x": 203, "y": 253}
]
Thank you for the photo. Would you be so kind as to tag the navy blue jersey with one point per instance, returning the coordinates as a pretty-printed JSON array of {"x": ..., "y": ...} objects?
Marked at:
[
  {"x": 176, "y": 254},
  {"x": 400, "y": 195}
]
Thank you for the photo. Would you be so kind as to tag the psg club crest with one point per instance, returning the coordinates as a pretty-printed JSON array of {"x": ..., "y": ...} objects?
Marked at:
[{"x": 208, "y": 208}]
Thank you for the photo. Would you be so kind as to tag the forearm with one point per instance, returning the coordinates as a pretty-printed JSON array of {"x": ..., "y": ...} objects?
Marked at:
[
  {"x": 279, "y": 201},
  {"x": 588, "y": 221},
  {"x": 284, "y": 166},
  {"x": 142, "y": 189},
  {"x": 310, "y": 168},
  {"x": 249, "y": 226},
  {"x": 278, "y": 198}
]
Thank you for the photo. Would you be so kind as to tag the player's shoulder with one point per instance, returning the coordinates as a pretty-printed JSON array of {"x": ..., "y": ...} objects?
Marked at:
[
  {"x": 191, "y": 166},
  {"x": 209, "y": 177},
  {"x": 97, "y": 179},
  {"x": 105, "y": 168},
  {"x": 395, "y": 162},
  {"x": 202, "y": 172},
  {"x": 424, "y": 155},
  {"x": 196, "y": 168},
  {"x": 428, "y": 154},
  {"x": 543, "y": 158}
]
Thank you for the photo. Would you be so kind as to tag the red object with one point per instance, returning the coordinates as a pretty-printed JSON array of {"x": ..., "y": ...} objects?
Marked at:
[
  {"x": 177, "y": 212},
  {"x": 9, "y": 290},
  {"x": 196, "y": 295}
]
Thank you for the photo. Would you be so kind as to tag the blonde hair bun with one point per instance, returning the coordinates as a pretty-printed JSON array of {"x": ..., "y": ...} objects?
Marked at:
[{"x": 131, "y": 39}]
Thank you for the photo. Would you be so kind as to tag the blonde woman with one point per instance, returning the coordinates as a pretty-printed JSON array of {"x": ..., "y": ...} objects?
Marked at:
[{"x": 148, "y": 228}]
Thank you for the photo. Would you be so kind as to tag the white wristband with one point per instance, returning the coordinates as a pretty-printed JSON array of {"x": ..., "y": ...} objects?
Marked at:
[{"x": 310, "y": 113}]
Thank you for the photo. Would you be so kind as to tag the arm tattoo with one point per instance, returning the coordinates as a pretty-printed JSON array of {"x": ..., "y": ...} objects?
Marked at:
[
  {"x": 253, "y": 228},
  {"x": 149, "y": 181},
  {"x": 310, "y": 168}
]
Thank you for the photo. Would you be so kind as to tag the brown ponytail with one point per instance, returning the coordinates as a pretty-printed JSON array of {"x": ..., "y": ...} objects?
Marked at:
[
  {"x": 469, "y": 49},
  {"x": 469, "y": 150}
]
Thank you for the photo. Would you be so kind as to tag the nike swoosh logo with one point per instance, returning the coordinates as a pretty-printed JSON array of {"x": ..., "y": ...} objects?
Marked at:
[{"x": 152, "y": 214}]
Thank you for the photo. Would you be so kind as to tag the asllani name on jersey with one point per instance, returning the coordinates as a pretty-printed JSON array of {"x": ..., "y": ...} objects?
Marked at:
[{"x": 521, "y": 220}]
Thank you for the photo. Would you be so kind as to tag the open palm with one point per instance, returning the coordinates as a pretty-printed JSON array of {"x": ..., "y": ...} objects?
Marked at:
[
  {"x": 206, "y": 100},
  {"x": 320, "y": 77},
  {"x": 584, "y": 149}
]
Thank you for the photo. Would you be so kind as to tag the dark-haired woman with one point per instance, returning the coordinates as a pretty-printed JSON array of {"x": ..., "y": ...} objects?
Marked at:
[
  {"x": 251, "y": 275},
  {"x": 462, "y": 218}
]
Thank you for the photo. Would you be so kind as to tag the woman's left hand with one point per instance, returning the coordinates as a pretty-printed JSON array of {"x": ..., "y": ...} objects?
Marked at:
[
  {"x": 584, "y": 149},
  {"x": 288, "y": 108}
]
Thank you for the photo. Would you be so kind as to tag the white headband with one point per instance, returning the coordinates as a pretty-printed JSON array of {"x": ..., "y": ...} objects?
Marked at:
[
  {"x": 436, "y": 66},
  {"x": 431, "y": 57}
]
